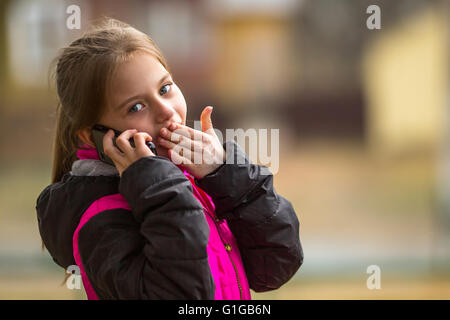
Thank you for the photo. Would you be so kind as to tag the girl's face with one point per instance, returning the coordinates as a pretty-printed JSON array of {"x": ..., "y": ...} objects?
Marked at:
[{"x": 143, "y": 96}]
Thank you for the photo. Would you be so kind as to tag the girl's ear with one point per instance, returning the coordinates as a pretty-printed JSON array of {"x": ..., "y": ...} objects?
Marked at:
[{"x": 85, "y": 136}]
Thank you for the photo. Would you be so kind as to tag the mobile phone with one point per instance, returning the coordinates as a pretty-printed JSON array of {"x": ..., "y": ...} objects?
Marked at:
[{"x": 98, "y": 131}]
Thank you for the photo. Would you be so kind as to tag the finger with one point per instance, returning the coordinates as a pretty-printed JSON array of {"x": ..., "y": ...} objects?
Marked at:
[
  {"x": 205, "y": 119},
  {"x": 123, "y": 142},
  {"x": 195, "y": 153},
  {"x": 177, "y": 158},
  {"x": 109, "y": 148},
  {"x": 174, "y": 131},
  {"x": 166, "y": 143},
  {"x": 186, "y": 131},
  {"x": 173, "y": 136},
  {"x": 184, "y": 152},
  {"x": 184, "y": 143},
  {"x": 140, "y": 138}
]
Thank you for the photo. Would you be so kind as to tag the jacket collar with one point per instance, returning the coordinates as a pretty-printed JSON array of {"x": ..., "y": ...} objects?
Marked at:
[{"x": 89, "y": 164}]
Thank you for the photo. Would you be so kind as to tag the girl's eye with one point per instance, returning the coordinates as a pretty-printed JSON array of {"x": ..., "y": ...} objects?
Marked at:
[
  {"x": 136, "y": 108},
  {"x": 162, "y": 91}
]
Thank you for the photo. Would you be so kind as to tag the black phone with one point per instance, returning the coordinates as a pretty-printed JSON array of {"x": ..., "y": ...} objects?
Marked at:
[{"x": 98, "y": 131}]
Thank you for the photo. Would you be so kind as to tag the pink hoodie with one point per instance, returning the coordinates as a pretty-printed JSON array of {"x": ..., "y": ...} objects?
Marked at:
[{"x": 223, "y": 253}]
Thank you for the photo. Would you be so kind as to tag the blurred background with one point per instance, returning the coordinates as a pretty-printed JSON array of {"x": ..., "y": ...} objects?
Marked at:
[{"x": 363, "y": 118}]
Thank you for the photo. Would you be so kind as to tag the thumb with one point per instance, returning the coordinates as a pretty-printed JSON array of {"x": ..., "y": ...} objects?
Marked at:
[{"x": 205, "y": 119}]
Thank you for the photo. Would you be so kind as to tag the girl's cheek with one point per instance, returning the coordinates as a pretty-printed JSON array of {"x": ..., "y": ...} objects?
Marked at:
[
  {"x": 180, "y": 103},
  {"x": 182, "y": 112}
]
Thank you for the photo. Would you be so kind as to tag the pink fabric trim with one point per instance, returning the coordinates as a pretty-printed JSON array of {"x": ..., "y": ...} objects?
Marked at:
[
  {"x": 114, "y": 201},
  {"x": 87, "y": 152}
]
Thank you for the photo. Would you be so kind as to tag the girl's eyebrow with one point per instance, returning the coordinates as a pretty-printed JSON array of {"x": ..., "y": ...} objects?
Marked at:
[{"x": 120, "y": 106}]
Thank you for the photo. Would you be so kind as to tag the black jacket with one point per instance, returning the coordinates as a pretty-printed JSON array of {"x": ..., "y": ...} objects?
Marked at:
[{"x": 159, "y": 251}]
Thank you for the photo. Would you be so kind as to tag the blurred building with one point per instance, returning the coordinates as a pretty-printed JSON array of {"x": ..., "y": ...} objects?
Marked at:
[
  {"x": 254, "y": 67},
  {"x": 405, "y": 80}
]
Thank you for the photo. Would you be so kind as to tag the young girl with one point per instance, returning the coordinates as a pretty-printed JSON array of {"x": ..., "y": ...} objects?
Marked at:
[{"x": 151, "y": 227}]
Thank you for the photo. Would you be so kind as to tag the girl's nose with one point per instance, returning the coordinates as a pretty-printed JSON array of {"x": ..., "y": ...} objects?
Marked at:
[{"x": 165, "y": 110}]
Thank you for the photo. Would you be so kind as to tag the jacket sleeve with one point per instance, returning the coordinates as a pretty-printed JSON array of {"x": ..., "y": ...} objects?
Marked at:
[
  {"x": 264, "y": 223},
  {"x": 156, "y": 251}
]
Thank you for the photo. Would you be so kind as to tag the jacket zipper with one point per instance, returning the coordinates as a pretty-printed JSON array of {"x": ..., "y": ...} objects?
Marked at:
[
  {"x": 228, "y": 252},
  {"x": 214, "y": 217},
  {"x": 237, "y": 276}
]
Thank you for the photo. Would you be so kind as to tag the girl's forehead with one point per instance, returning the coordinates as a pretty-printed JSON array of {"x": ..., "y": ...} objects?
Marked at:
[
  {"x": 139, "y": 69},
  {"x": 138, "y": 74},
  {"x": 140, "y": 63}
]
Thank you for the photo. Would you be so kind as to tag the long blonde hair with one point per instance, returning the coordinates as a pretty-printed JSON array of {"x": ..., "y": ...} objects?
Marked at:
[{"x": 83, "y": 72}]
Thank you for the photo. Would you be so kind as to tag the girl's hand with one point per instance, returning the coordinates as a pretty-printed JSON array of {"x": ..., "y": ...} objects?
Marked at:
[
  {"x": 129, "y": 155},
  {"x": 200, "y": 152}
]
